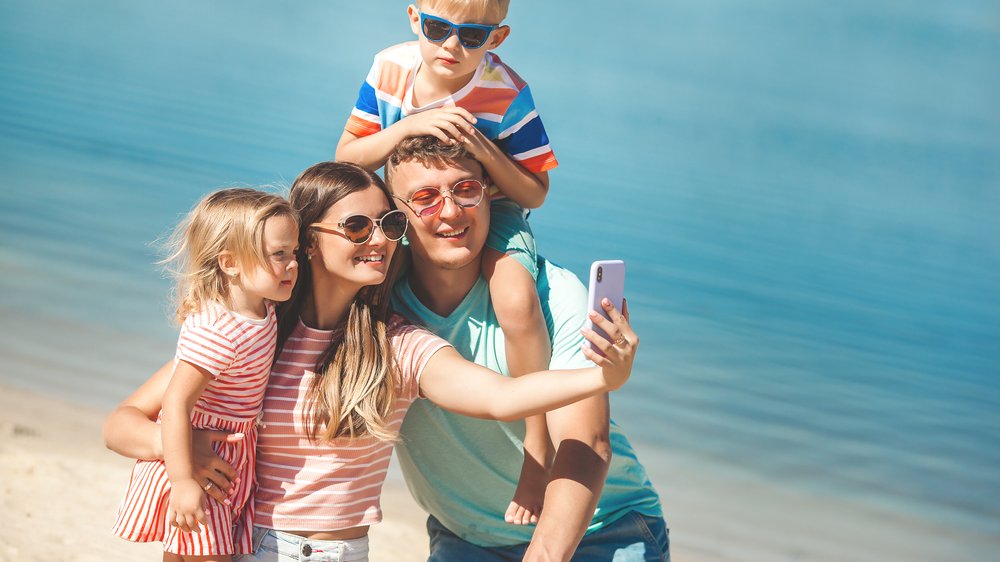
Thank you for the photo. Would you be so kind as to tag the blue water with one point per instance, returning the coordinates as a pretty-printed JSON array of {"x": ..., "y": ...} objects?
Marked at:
[{"x": 805, "y": 195}]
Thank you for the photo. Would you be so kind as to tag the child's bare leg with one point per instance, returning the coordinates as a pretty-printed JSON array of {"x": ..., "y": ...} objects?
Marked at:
[{"x": 515, "y": 301}]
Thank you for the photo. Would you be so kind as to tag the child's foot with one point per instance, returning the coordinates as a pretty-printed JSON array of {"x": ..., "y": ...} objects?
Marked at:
[{"x": 529, "y": 496}]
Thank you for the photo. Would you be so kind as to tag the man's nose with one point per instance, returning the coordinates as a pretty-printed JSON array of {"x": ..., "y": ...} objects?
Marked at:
[{"x": 448, "y": 206}]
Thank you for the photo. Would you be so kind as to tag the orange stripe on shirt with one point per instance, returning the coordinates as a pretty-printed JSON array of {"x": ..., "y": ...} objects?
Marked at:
[
  {"x": 360, "y": 127},
  {"x": 392, "y": 80},
  {"x": 488, "y": 100},
  {"x": 540, "y": 163}
]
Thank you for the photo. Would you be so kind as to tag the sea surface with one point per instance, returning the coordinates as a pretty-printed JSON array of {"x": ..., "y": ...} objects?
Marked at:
[{"x": 806, "y": 195}]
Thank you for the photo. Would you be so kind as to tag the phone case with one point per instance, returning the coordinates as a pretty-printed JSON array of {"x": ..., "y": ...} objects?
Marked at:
[{"x": 607, "y": 279}]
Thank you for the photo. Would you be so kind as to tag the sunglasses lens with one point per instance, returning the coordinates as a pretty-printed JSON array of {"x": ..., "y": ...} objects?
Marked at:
[
  {"x": 358, "y": 228},
  {"x": 435, "y": 30},
  {"x": 394, "y": 225},
  {"x": 472, "y": 37},
  {"x": 468, "y": 193},
  {"x": 426, "y": 201}
]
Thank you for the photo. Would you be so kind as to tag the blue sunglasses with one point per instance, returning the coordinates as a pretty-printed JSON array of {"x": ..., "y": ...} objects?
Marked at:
[{"x": 470, "y": 35}]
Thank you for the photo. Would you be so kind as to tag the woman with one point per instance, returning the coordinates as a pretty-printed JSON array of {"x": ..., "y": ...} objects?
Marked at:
[{"x": 347, "y": 369}]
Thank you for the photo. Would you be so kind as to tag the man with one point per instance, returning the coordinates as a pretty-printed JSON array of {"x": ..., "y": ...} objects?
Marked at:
[{"x": 599, "y": 504}]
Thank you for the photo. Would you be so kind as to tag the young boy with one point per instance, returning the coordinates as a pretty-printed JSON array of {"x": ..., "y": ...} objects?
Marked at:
[{"x": 448, "y": 84}]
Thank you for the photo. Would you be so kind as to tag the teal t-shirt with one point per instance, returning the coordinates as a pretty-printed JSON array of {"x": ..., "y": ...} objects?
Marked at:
[{"x": 464, "y": 470}]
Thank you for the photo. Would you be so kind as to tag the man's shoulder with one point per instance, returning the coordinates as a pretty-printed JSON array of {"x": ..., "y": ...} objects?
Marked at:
[
  {"x": 560, "y": 289},
  {"x": 558, "y": 277}
]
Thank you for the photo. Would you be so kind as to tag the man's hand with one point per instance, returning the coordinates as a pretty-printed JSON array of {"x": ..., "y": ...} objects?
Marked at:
[{"x": 617, "y": 353}]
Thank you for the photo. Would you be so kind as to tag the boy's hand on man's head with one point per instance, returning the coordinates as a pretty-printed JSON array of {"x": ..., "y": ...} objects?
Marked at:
[
  {"x": 449, "y": 124},
  {"x": 479, "y": 147}
]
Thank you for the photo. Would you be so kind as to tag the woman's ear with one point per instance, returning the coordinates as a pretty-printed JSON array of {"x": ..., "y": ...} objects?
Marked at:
[{"x": 311, "y": 248}]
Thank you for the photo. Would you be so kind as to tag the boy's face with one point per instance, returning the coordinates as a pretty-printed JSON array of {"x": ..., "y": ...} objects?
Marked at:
[{"x": 449, "y": 61}]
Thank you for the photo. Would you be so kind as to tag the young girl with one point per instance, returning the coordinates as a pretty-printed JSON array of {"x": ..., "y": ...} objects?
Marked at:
[
  {"x": 348, "y": 369},
  {"x": 234, "y": 254}
]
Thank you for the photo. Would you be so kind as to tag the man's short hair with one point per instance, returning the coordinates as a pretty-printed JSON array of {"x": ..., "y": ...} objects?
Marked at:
[{"x": 427, "y": 150}]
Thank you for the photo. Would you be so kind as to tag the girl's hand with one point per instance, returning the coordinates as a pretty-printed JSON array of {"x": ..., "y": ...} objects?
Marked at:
[
  {"x": 618, "y": 351},
  {"x": 208, "y": 467},
  {"x": 187, "y": 507},
  {"x": 450, "y": 124}
]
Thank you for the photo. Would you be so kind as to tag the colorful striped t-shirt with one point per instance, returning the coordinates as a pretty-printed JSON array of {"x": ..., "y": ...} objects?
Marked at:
[
  {"x": 496, "y": 95},
  {"x": 307, "y": 486}
]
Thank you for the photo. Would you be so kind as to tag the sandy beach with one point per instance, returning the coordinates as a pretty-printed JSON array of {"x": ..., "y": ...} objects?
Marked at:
[{"x": 61, "y": 488}]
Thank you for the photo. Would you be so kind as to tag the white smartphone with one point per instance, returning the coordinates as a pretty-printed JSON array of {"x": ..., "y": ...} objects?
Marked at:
[{"x": 607, "y": 279}]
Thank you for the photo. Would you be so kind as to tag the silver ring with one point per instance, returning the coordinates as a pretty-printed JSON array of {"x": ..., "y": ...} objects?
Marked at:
[{"x": 208, "y": 486}]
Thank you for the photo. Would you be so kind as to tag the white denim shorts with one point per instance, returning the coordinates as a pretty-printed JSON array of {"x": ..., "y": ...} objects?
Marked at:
[{"x": 277, "y": 546}]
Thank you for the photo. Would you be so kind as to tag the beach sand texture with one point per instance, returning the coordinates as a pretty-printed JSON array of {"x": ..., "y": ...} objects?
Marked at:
[{"x": 61, "y": 488}]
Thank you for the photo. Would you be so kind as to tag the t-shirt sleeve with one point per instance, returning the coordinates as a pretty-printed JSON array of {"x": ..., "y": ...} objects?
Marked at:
[
  {"x": 523, "y": 137},
  {"x": 564, "y": 298},
  {"x": 365, "y": 119},
  {"x": 203, "y": 345},
  {"x": 414, "y": 346}
]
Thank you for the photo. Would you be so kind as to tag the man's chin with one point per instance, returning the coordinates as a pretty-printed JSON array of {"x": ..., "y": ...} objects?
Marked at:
[{"x": 454, "y": 260}]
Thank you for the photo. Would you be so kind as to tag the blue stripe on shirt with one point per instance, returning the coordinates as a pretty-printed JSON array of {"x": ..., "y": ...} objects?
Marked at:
[
  {"x": 529, "y": 137},
  {"x": 367, "y": 101}
]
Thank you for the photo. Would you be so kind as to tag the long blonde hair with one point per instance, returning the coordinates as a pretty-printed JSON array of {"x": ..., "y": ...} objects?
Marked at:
[
  {"x": 354, "y": 388},
  {"x": 228, "y": 220}
]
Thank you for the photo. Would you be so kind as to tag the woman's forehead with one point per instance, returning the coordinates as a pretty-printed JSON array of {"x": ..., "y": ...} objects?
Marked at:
[{"x": 370, "y": 201}]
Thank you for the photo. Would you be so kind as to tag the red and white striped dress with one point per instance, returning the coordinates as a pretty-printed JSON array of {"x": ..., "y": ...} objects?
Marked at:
[{"x": 238, "y": 353}]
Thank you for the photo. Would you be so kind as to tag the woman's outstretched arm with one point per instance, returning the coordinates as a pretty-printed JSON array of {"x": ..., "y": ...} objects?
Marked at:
[{"x": 458, "y": 385}]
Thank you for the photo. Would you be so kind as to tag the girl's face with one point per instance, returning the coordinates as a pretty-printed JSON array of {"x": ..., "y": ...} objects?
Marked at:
[
  {"x": 333, "y": 254},
  {"x": 275, "y": 282}
]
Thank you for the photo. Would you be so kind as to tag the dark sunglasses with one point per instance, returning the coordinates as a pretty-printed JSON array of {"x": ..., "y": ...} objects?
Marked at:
[
  {"x": 470, "y": 35},
  {"x": 360, "y": 228},
  {"x": 429, "y": 200}
]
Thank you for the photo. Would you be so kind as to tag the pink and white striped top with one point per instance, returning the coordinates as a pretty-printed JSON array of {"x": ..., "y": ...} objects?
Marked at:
[
  {"x": 237, "y": 351},
  {"x": 306, "y": 486}
]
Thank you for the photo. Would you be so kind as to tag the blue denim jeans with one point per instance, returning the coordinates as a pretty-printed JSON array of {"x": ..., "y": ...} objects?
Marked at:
[
  {"x": 633, "y": 538},
  {"x": 277, "y": 546}
]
